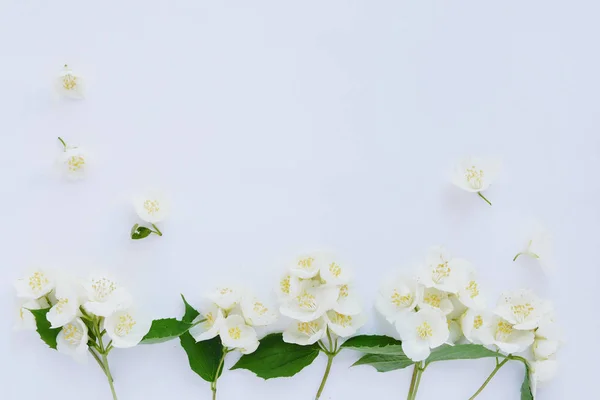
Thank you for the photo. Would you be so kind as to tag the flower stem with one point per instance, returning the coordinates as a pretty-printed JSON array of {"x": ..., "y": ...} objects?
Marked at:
[
  {"x": 109, "y": 376},
  {"x": 517, "y": 256},
  {"x": 158, "y": 232},
  {"x": 213, "y": 384},
  {"x": 489, "y": 378},
  {"x": 62, "y": 141},
  {"x": 415, "y": 381},
  {"x": 483, "y": 197},
  {"x": 326, "y": 375}
]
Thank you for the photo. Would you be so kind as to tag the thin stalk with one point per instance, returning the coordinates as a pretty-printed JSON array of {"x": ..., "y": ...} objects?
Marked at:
[
  {"x": 109, "y": 376},
  {"x": 415, "y": 381},
  {"x": 157, "y": 231},
  {"x": 213, "y": 384},
  {"x": 483, "y": 197},
  {"x": 489, "y": 378},
  {"x": 330, "y": 357},
  {"x": 62, "y": 141}
]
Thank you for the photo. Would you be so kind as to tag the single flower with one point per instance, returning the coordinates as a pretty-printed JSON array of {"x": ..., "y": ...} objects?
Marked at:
[
  {"x": 126, "y": 328},
  {"x": 151, "y": 208},
  {"x": 236, "y": 334},
  {"x": 442, "y": 271},
  {"x": 37, "y": 284},
  {"x": 507, "y": 338},
  {"x": 305, "y": 333},
  {"x": 422, "y": 331},
  {"x": 288, "y": 286},
  {"x": 397, "y": 297},
  {"x": 475, "y": 175},
  {"x": 334, "y": 273},
  {"x": 105, "y": 296},
  {"x": 70, "y": 84},
  {"x": 344, "y": 325},
  {"x": 66, "y": 307},
  {"x": 311, "y": 301},
  {"x": 226, "y": 297},
  {"x": 470, "y": 292},
  {"x": 540, "y": 247},
  {"x": 73, "y": 340},
  {"x": 307, "y": 266},
  {"x": 73, "y": 161},
  {"x": 476, "y": 326},
  {"x": 208, "y": 329},
  {"x": 522, "y": 308},
  {"x": 257, "y": 312},
  {"x": 435, "y": 299}
]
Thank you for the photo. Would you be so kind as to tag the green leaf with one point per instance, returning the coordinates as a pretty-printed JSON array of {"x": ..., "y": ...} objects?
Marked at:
[
  {"x": 47, "y": 334},
  {"x": 163, "y": 330},
  {"x": 275, "y": 358},
  {"x": 139, "y": 232},
  {"x": 204, "y": 357},
  {"x": 190, "y": 312},
  {"x": 385, "y": 362},
  {"x": 374, "y": 344},
  {"x": 461, "y": 352},
  {"x": 526, "y": 386}
]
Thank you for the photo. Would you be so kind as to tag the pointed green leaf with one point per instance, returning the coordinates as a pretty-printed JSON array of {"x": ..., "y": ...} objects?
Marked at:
[
  {"x": 374, "y": 344},
  {"x": 461, "y": 352},
  {"x": 163, "y": 330},
  {"x": 204, "y": 357},
  {"x": 526, "y": 386},
  {"x": 385, "y": 362},
  {"x": 275, "y": 358},
  {"x": 190, "y": 312},
  {"x": 140, "y": 232},
  {"x": 47, "y": 334}
]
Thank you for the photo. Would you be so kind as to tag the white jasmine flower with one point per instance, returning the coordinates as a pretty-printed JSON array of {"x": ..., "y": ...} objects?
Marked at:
[
  {"x": 127, "y": 328},
  {"x": 73, "y": 340},
  {"x": 442, "y": 271},
  {"x": 422, "y": 331},
  {"x": 25, "y": 319},
  {"x": 38, "y": 284},
  {"x": 226, "y": 297},
  {"x": 540, "y": 247},
  {"x": 333, "y": 273},
  {"x": 436, "y": 300},
  {"x": 507, "y": 338},
  {"x": 236, "y": 334},
  {"x": 73, "y": 161},
  {"x": 69, "y": 84},
  {"x": 308, "y": 266},
  {"x": 66, "y": 307},
  {"x": 522, "y": 308},
  {"x": 397, "y": 297},
  {"x": 470, "y": 292},
  {"x": 344, "y": 325},
  {"x": 288, "y": 286},
  {"x": 475, "y": 175},
  {"x": 256, "y": 313},
  {"x": 209, "y": 328},
  {"x": 105, "y": 296},
  {"x": 305, "y": 333},
  {"x": 152, "y": 207},
  {"x": 311, "y": 301},
  {"x": 477, "y": 326},
  {"x": 348, "y": 301},
  {"x": 541, "y": 372}
]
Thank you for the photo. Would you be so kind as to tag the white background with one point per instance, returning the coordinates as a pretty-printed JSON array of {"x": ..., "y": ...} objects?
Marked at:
[{"x": 279, "y": 127}]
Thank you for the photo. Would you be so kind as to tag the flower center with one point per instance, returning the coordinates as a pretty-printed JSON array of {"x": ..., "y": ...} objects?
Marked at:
[
  {"x": 433, "y": 300},
  {"x": 285, "y": 285},
  {"x": 440, "y": 272},
  {"x": 306, "y": 263},
  {"x": 225, "y": 291},
  {"x": 477, "y": 322},
  {"x": 72, "y": 334},
  {"x": 473, "y": 289},
  {"x": 76, "y": 163},
  {"x": 308, "y": 328},
  {"x": 503, "y": 330},
  {"x": 60, "y": 306},
  {"x": 152, "y": 206},
  {"x": 260, "y": 308},
  {"x": 341, "y": 319},
  {"x": 402, "y": 300},
  {"x": 474, "y": 177},
  {"x": 306, "y": 301},
  {"x": 37, "y": 281},
  {"x": 424, "y": 330},
  {"x": 69, "y": 82},
  {"x": 125, "y": 325},
  {"x": 522, "y": 311},
  {"x": 344, "y": 291},
  {"x": 235, "y": 333},
  {"x": 103, "y": 288},
  {"x": 210, "y": 319},
  {"x": 335, "y": 270}
]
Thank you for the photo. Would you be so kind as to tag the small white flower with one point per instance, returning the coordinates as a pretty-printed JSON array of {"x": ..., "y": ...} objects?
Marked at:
[
  {"x": 442, "y": 271},
  {"x": 476, "y": 326},
  {"x": 422, "y": 331},
  {"x": 348, "y": 301},
  {"x": 105, "y": 296},
  {"x": 73, "y": 340},
  {"x": 288, "y": 286},
  {"x": 127, "y": 327},
  {"x": 256, "y": 313},
  {"x": 226, "y": 297},
  {"x": 475, "y": 174},
  {"x": 507, "y": 338},
  {"x": 39, "y": 283},
  {"x": 69, "y": 84},
  {"x": 66, "y": 307},
  {"x": 209, "y": 328},
  {"x": 540, "y": 247},
  {"x": 334, "y": 273},
  {"x": 308, "y": 266},
  {"x": 344, "y": 325},
  {"x": 522, "y": 308},
  {"x": 73, "y": 162},
  {"x": 398, "y": 297},
  {"x": 236, "y": 334},
  {"x": 305, "y": 333},
  {"x": 152, "y": 207},
  {"x": 435, "y": 299},
  {"x": 470, "y": 293},
  {"x": 25, "y": 319},
  {"x": 310, "y": 302},
  {"x": 541, "y": 372}
]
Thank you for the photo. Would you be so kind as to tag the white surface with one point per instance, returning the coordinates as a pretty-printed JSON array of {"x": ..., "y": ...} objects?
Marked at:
[{"x": 279, "y": 128}]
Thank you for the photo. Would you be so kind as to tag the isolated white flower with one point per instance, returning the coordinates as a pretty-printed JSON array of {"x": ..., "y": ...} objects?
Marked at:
[
  {"x": 66, "y": 307},
  {"x": 69, "y": 84},
  {"x": 305, "y": 333},
  {"x": 422, "y": 331},
  {"x": 37, "y": 284},
  {"x": 307, "y": 266},
  {"x": 470, "y": 292},
  {"x": 256, "y": 312},
  {"x": 209, "y": 328},
  {"x": 73, "y": 162},
  {"x": 226, "y": 297},
  {"x": 477, "y": 326},
  {"x": 442, "y": 271},
  {"x": 25, "y": 320},
  {"x": 105, "y": 296},
  {"x": 522, "y": 308},
  {"x": 348, "y": 301},
  {"x": 435, "y": 299},
  {"x": 151, "y": 207},
  {"x": 344, "y": 325},
  {"x": 127, "y": 328},
  {"x": 236, "y": 334},
  {"x": 310, "y": 302},
  {"x": 73, "y": 340},
  {"x": 541, "y": 372},
  {"x": 475, "y": 174},
  {"x": 397, "y": 297},
  {"x": 540, "y": 247},
  {"x": 507, "y": 338},
  {"x": 334, "y": 273}
]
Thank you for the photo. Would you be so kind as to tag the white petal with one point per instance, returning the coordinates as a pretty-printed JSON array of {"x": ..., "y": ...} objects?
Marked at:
[
  {"x": 305, "y": 333},
  {"x": 235, "y": 333},
  {"x": 152, "y": 207},
  {"x": 416, "y": 350}
]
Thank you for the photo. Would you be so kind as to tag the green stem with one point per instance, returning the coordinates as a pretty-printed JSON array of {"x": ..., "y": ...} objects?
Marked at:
[
  {"x": 213, "y": 384},
  {"x": 62, "y": 141},
  {"x": 157, "y": 231},
  {"x": 415, "y": 381},
  {"x": 330, "y": 357},
  {"x": 490, "y": 378},
  {"x": 483, "y": 197},
  {"x": 517, "y": 256},
  {"x": 109, "y": 376},
  {"x": 98, "y": 360}
]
